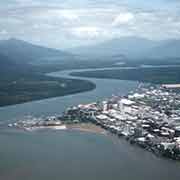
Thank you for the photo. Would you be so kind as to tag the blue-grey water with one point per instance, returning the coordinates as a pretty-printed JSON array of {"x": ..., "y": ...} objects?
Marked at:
[{"x": 70, "y": 155}]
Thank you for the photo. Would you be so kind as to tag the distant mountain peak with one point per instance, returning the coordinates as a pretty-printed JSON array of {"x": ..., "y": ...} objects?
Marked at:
[
  {"x": 129, "y": 46},
  {"x": 13, "y": 39},
  {"x": 26, "y": 52}
]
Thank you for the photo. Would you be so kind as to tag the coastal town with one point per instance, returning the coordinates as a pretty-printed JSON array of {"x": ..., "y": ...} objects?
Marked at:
[{"x": 148, "y": 117}]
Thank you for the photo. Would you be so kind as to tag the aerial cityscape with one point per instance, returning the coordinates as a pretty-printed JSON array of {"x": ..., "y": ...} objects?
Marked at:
[{"x": 149, "y": 118}]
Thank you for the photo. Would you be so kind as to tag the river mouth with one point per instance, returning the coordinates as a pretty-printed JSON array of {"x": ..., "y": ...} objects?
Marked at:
[{"x": 53, "y": 106}]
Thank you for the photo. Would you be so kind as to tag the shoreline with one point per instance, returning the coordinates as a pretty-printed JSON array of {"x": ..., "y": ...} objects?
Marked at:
[
  {"x": 133, "y": 116},
  {"x": 86, "y": 127},
  {"x": 81, "y": 127}
]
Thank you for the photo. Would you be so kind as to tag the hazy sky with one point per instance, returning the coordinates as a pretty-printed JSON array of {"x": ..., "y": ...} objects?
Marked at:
[{"x": 63, "y": 24}]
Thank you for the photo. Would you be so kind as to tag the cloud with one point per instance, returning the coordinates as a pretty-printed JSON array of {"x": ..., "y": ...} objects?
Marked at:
[
  {"x": 3, "y": 32},
  {"x": 86, "y": 32},
  {"x": 123, "y": 18},
  {"x": 69, "y": 15},
  {"x": 89, "y": 32},
  {"x": 58, "y": 23}
]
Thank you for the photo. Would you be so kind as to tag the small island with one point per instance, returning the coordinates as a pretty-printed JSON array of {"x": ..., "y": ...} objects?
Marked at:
[{"x": 148, "y": 117}]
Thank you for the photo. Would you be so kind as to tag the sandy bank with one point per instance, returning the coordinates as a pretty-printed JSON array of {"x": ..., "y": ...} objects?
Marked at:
[{"x": 87, "y": 127}]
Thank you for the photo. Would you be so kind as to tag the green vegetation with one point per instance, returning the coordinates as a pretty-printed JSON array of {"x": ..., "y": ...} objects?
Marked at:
[
  {"x": 35, "y": 87},
  {"x": 21, "y": 82},
  {"x": 152, "y": 75}
]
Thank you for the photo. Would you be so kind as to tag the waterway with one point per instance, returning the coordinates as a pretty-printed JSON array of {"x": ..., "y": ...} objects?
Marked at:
[{"x": 70, "y": 155}]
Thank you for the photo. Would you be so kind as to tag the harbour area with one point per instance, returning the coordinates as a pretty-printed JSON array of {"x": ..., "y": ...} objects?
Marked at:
[{"x": 148, "y": 117}]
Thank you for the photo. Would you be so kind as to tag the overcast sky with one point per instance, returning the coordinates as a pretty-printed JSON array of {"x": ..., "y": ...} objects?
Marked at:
[{"x": 64, "y": 24}]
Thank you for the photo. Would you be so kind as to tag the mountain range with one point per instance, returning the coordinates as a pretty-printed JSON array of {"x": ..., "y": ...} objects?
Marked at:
[
  {"x": 132, "y": 48},
  {"x": 165, "y": 49},
  {"x": 16, "y": 53}
]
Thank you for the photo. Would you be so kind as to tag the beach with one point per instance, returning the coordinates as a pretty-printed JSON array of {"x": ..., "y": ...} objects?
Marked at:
[{"x": 87, "y": 127}]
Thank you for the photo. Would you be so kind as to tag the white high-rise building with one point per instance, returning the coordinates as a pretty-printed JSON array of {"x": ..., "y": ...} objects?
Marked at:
[{"x": 104, "y": 106}]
